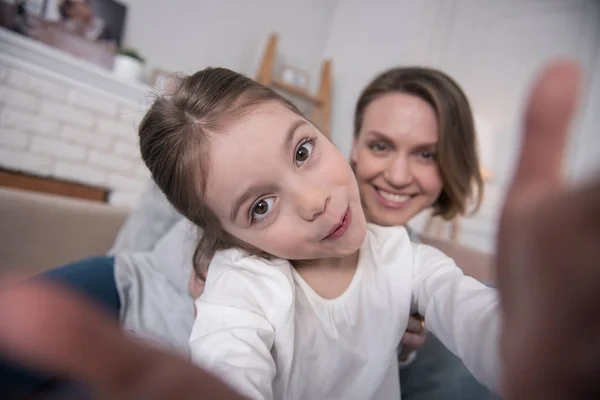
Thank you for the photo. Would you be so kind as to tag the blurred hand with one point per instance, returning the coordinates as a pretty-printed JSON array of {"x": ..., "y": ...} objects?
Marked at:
[
  {"x": 52, "y": 329},
  {"x": 548, "y": 255},
  {"x": 195, "y": 288},
  {"x": 414, "y": 337}
]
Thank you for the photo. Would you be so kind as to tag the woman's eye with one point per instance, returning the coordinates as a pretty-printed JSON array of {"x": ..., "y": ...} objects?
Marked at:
[
  {"x": 427, "y": 155},
  {"x": 262, "y": 208},
  {"x": 378, "y": 146},
  {"x": 303, "y": 152}
]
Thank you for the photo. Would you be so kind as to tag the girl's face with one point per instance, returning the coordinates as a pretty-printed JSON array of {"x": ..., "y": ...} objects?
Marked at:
[
  {"x": 395, "y": 157},
  {"x": 279, "y": 185}
]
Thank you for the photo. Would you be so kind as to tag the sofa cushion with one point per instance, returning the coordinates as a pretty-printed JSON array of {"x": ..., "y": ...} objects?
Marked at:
[{"x": 41, "y": 231}]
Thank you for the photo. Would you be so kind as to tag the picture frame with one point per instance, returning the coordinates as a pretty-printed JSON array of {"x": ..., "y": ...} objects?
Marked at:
[
  {"x": 295, "y": 77},
  {"x": 164, "y": 82},
  {"x": 109, "y": 17}
]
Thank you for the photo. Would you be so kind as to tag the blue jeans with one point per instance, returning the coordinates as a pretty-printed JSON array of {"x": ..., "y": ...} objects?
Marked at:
[
  {"x": 437, "y": 373},
  {"x": 93, "y": 277}
]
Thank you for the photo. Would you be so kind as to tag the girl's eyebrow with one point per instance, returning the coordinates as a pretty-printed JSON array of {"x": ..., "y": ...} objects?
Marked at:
[
  {"x": 235, "y": 208},
  {"x": 289, "y": 136}
]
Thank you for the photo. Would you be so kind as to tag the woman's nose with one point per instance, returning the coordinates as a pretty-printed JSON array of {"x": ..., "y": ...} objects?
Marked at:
[{"x": 398, "y": 173}]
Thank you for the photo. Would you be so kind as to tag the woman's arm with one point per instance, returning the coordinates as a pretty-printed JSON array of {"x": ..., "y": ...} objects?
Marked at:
[
  {"x": 462, "y": 312},
  {"x": 474, "y": 263}
]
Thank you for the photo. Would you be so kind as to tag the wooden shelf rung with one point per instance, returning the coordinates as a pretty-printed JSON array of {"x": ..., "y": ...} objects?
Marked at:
[{"x": 296, "y": 92}]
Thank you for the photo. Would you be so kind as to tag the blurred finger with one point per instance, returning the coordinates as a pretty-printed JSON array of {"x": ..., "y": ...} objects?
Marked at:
[
  {"x": 548, "y": 115},
  {"x": 68, "y": 323},
  {"x": 415, "y": 325},
  {"x": 413, "y": 340}
]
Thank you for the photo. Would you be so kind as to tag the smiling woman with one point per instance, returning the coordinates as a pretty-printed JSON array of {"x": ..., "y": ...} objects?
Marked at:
[
  {"x": 396, "y": 158},
  {"x": 414, "y": 148}
]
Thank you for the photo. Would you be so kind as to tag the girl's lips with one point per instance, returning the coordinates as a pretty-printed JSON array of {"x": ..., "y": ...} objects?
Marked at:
[{"x": 339, "y": 230}]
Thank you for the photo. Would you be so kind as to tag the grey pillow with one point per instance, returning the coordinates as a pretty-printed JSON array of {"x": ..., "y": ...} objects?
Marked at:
[{"x": 150, "y": 221}]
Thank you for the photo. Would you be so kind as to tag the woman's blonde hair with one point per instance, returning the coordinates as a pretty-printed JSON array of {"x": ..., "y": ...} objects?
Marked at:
[{"x": 457, "y": 142}]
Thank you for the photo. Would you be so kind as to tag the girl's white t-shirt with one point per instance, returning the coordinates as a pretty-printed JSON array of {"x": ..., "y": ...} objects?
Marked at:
[{"x": 263, "y": 330}]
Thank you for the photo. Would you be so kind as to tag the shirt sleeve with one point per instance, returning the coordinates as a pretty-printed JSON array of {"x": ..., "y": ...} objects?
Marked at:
[
  {"x": 232, "y": 338},
  {"x": 462, "y": 312}
]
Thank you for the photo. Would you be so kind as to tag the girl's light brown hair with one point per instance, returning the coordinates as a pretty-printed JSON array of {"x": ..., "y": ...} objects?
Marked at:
[
  {"x": 457, "y": 142},
  {"x": 174, "y": 137}
]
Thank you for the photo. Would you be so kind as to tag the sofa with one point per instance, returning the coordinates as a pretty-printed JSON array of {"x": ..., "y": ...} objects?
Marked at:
[{"x": 40, "y": 231}]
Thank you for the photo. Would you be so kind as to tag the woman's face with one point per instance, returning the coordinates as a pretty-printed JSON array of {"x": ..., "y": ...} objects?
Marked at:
[{"x": 396, "y": 160}]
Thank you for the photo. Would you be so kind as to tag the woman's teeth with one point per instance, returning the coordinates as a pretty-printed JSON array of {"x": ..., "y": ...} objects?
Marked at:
[{"x": 395, "y": 198}]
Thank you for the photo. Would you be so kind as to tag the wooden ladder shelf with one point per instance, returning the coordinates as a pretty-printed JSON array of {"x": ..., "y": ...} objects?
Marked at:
[{"x": 321, "y": 103}]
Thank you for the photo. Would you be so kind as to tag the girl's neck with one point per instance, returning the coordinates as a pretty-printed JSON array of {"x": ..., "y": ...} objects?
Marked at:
[
  {"x": 349, "y": 261},
  {"x": 328, "y": 277}
]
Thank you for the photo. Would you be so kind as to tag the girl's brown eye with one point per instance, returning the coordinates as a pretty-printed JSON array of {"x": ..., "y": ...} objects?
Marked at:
[
  {"x": 261, "y": 207},
  {"x": 304, "y": 151},
  {"x": 301, "y": 154}
]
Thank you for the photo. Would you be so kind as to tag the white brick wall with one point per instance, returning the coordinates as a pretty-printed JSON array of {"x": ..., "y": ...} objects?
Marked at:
[
  {"x": 109, "y": 161},
  {"x": 11, "y": 118},
  {"x": 13, "y": 138},
  {"x": 45, "y": 87},
  {"x": 59, "y": 149},
  {"x": 85, "y": 136},
  {"x": 25, "y": 162},
  {"x": 142, "y": 171},
  {"x": 127, "y": 149},
  {"x": 51, "y": 127},
  {"x": 18, "y": 98},
  {"x": 131, "y": 115},
  {"x": 93, "y": 103},
  {"x": 125, "y": 130},
  {"x": 18, "y": 78},
  {"x": 3, "y": 72},
  {"x": 79, "y": 173},
  {"x": 67, "y": 113},
  {"x": 119, "y": 181}
]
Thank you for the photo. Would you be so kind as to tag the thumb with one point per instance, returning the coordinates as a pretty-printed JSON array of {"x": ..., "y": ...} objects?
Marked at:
[{"x": 548, "y": 114}]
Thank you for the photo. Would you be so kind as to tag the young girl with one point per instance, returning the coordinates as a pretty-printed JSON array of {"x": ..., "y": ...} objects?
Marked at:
[{"x": 303, "y": 299}]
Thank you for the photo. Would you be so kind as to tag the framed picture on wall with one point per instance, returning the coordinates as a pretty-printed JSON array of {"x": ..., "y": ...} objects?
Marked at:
[
  {"x": 164, "y": 82},
  {"x": 96, "y": 20}
]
